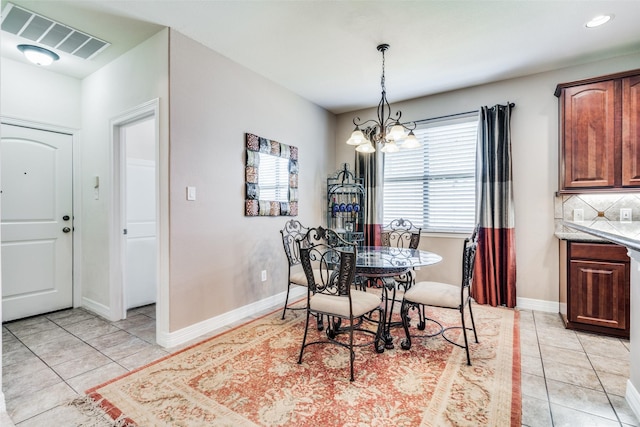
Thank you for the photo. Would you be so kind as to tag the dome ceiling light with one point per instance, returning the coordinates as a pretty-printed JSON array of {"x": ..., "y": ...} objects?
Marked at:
[
  {"x": 38, "y": 55},
  {"x": 598, "y": 20},
  {"x": 50, "y": 35}
]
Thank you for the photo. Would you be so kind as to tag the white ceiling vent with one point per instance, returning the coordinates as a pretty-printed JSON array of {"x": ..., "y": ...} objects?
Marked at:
[{"x": 50, "y": 33}]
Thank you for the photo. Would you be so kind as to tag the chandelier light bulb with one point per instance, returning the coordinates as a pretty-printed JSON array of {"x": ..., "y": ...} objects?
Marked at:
[
  {"x": 365, "y": 148},
  {"x": 357, "y": 138},
  {"x": 397, "y": 132},
  {"x": 390, "y": 147},
  {"x": 411, "y": 141}
]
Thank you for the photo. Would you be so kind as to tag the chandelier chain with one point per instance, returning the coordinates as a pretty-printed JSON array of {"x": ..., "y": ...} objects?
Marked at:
[{"x": 384, "y": 89}]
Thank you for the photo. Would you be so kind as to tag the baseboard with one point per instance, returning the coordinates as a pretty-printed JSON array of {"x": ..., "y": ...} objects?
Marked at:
[
  {"x": 189, "y": 333},
  {"x": 538, "y": 305},
  {"x": 5, "y": 420},
  {"x": 97, "y": 308},
  {"x": 633, "y": 399}
]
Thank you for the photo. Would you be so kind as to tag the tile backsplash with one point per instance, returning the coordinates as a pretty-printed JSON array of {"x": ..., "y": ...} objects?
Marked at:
[{"x": 595, "y": 207}]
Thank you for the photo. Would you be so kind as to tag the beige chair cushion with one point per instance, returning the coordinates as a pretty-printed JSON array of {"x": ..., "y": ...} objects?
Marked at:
[
  {"x": 435, "y": 293},
  {"x": 362, "y": 302},
  {"x": 298, "y": 277}
]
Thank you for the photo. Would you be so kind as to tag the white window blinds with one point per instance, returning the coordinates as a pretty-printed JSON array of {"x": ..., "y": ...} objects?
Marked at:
[
  {"x": 434, "y": 186},
  {"x": 274, "y": 178}
]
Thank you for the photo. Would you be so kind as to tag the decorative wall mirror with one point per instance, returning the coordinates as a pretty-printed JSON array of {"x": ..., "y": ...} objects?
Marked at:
[{"x": 271, "y": 178}]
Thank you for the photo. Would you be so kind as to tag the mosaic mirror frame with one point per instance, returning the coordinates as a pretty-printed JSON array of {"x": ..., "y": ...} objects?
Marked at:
[{"x": 256, "y": 147}]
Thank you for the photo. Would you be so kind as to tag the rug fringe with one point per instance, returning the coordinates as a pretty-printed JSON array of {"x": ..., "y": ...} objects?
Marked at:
[{"x": 99, "y": 417}]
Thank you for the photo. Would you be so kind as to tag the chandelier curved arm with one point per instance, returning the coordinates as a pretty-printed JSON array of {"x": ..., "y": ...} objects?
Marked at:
[
  {"x": 365, "y": 123},
  {"x": 410, "y": 126}
]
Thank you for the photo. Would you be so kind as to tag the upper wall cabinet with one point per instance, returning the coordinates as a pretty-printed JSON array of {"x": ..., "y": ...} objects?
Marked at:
[
  {"x": 600, "y": 134},
  {"x": 631, "y": 131}
]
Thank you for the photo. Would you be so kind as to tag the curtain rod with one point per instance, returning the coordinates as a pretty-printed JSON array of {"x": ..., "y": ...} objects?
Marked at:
[
  {"x": 445, "y": 117},
  {"x": 511, "y": 104}
]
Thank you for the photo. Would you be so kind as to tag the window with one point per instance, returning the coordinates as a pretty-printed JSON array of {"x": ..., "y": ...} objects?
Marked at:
[
  {"x": 274, "y": 178},
  {"x": 434, "y": 186}
]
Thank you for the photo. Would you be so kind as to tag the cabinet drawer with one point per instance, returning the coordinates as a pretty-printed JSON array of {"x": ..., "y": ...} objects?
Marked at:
[{"x": 598, "y": 251}]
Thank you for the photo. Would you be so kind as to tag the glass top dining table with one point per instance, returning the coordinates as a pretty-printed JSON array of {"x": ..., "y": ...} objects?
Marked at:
[
  {"x": 385, "y": 261},
  {"x": 375, "y": 264}
]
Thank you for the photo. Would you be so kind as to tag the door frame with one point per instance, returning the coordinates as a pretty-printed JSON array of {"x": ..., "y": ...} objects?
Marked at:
[
  {"x": 117, "y": 221},
  {"x": 76, "y": 275}
]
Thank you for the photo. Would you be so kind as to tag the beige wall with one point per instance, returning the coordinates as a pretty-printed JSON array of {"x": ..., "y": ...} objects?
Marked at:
[
  {"x": 534, "y": 128},
  {"x": 216, "y": 252}
]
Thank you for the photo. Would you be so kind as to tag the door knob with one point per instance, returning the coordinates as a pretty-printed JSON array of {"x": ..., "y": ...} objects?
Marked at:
[
  {"x": 66, "y": 217},
  {"x": 66, "y": 230}
]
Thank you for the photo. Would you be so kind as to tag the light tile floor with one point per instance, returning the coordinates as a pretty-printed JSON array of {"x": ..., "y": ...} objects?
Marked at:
[
  {"x": 572, "y": 378},
  {"x": 568, "y": 378}
]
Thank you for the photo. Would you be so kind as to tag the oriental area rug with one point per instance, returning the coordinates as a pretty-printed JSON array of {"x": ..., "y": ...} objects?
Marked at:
[{"x": 249, "y": 376}]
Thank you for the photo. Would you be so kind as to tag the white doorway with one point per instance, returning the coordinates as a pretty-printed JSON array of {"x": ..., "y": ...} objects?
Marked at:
[
  {"x": 37, "y": 221},
  {"x": 135, "y": 248},
  {"x": 138, "y": 185}
]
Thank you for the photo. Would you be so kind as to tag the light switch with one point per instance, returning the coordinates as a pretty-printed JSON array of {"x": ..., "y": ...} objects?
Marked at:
[{"x": 191, "y": 193}]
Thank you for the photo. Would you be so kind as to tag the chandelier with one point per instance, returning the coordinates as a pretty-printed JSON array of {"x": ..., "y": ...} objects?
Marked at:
[{"x": 386, "y": 131}]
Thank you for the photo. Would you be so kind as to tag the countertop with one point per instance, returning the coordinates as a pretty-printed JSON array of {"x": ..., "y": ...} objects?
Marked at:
[
  {"x": 578, "y": 236},
  {"x": 623, "y": 233}
]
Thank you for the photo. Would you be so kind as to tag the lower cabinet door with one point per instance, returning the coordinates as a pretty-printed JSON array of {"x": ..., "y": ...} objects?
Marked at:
[{"x": 598, "y": 294}]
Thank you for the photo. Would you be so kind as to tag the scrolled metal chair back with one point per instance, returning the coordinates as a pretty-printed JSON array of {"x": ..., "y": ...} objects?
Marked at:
[
  {"x": 468, "y": 260},
  {"x": 333, "y": 260},
  {"x": 292, "y": 233},
  {"x": 400, "y": 233}
]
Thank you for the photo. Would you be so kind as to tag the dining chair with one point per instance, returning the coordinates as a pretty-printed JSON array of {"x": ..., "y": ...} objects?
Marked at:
[
  {"x": 401, "y": 233},
  {"x": 444, "y": 295},
  {"x": 329, "y": 263},
  {"x": 292, "y": 232}
]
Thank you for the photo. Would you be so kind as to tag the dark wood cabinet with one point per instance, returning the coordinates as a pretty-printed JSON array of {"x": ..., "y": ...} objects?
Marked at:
[
  {"x": 599, "y": 133},
  {"x": 598, "y": 288},
  {"x": 588, "y": 134},
  {"x": 631, "y": 131}
]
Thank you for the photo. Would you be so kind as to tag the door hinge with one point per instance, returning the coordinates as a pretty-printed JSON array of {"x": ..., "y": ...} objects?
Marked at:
[{"x": 124, "y": 231}]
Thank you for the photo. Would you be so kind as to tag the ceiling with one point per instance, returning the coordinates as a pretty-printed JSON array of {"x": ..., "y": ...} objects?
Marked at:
[{"x": 325, "y": 51}]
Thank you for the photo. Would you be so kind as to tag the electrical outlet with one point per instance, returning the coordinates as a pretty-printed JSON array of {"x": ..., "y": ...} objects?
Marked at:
[
  {"x": 263, "y": 275},
  {"x": 578, "y": 215},
  {"x": 625, "y": 215}
]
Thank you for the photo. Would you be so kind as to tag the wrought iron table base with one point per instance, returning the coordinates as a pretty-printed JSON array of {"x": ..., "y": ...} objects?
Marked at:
[{"x": 387, "y": 287}]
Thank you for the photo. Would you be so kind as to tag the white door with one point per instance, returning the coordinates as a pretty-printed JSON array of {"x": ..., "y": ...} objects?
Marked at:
[
  {"x": 37, "y": 221},
  {"x": 139, "y": 186}
]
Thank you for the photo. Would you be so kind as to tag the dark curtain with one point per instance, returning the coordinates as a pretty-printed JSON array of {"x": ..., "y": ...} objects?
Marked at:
[
  {"x": 495, "y": 270},
  {"x": 369, "y": 166}
]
